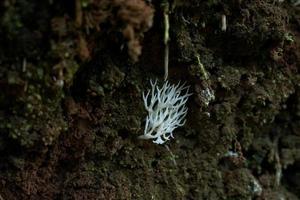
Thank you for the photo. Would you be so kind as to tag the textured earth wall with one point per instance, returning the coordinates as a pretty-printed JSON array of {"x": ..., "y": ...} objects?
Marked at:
[{"x": 72, "y": 75}]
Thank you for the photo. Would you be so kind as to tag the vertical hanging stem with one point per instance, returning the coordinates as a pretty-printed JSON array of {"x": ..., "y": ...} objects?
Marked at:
[
  {"x": 166, "y": 61},
  {"x": 166, "y": 37}
]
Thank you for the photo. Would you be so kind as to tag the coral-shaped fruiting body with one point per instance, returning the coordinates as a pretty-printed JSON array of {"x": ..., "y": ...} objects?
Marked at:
[{"x": 166, "y": 108}]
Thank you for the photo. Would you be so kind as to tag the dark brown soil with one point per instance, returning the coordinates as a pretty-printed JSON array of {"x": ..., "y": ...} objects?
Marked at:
[{"x": 72, "y": 75}]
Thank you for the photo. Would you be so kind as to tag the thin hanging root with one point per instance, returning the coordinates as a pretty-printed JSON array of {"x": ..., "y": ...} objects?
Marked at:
[
  {"x": 166, "y": 39},
  {"x": 166, "y": 61}
]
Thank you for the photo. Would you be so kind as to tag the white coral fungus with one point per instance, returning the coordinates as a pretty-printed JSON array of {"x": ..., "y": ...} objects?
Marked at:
[{"x": 166, "y": 110}]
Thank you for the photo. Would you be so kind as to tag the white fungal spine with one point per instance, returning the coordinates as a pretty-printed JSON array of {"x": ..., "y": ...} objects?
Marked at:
[{"x": 166, "y": 108}]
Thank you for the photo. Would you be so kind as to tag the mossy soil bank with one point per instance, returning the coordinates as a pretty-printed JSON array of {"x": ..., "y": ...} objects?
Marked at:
[{"x": 72, "y": 74}]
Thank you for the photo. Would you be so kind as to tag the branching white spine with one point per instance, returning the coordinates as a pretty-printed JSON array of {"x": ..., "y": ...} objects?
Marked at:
[{"x": 166, "y": 108}]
